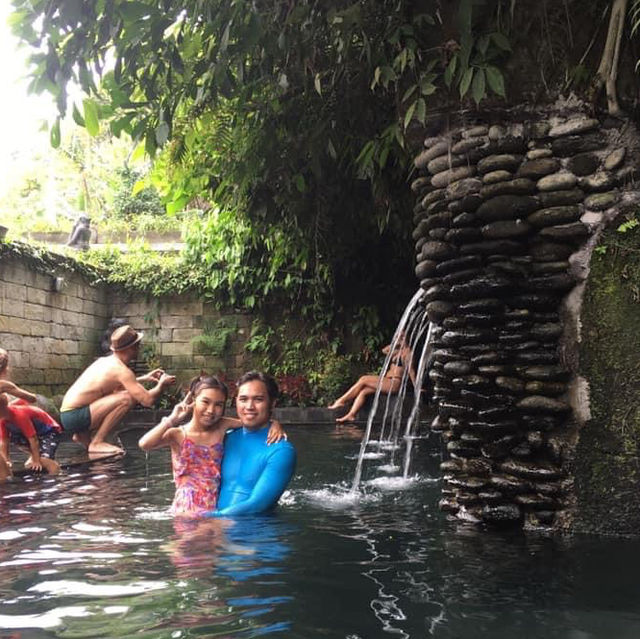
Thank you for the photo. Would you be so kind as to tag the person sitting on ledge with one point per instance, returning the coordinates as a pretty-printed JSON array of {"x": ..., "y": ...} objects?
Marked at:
[
  {"x": 107, "y": 390},
  {"x": 367, "y": 384}
]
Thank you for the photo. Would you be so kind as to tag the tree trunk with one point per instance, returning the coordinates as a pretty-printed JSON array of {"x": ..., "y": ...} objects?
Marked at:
[{"x": 607, "y": 73}]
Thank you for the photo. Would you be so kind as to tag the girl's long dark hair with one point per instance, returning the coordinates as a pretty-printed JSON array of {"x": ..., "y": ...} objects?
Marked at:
[{"x": 203, "y": 381}]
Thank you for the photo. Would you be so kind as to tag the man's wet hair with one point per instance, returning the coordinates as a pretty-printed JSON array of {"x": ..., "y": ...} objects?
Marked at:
[
  {"x": 267, "y": 380},
  {"x": 204, "y": 381}
]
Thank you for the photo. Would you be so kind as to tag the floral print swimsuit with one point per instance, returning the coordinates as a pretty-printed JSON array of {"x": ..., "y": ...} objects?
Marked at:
[{"x": 196, "y": 473}]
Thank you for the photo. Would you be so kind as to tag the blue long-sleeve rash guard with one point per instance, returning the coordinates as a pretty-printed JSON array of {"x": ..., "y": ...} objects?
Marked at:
[{"x": 254, "y": 475}]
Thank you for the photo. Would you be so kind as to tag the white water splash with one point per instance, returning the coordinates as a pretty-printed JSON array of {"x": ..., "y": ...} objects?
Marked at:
[
  {"x": 397, "y": 483},
  {"x": 336, "y": 498},
  {"x": 389, "y": 468}
]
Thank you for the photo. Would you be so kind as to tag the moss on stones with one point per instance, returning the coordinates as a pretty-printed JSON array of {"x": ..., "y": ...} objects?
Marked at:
[{"x": 607, "y": 455}]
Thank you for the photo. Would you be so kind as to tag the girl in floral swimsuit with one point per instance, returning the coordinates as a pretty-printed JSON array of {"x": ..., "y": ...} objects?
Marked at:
[{"x": 197, "y": 446}]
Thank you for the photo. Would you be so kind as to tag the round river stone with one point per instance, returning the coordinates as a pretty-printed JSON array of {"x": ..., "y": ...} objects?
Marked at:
[
  {"x": 518, "y": 186},
  {"x": 506, "y": 229},
  {"x": 539, "y": 168},
  {"x": 506, "y": 207},
  {"x": 505, "y": 161},
  {"x": 554, "y": 215},
  {"x": 557, "y": 182},
  {"x": 542, "y": 404}
]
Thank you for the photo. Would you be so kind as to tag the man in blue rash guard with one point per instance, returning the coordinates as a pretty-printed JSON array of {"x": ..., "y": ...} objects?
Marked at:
[{"x": 254, "y": 475}]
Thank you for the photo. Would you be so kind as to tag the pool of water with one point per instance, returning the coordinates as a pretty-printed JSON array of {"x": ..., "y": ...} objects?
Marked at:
[{"x": 94, "y": 553}]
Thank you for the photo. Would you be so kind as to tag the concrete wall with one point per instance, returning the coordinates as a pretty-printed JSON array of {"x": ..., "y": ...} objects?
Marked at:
[{"x": 50, "y": 336}]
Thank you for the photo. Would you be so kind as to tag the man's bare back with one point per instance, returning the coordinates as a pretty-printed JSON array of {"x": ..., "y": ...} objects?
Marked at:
[
  {"x": 106, "y": 375},
  {"x": 106, "y": 390}
]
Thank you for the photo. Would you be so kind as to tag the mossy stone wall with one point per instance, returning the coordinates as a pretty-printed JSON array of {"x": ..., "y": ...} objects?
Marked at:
[{"x": 607, "y": 454}]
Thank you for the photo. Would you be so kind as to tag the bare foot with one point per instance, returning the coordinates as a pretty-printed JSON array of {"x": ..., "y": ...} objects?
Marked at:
[
  {"x": 84, "y": 439},
  {"x": 335, "y": 405},
  {"x": 102, "y": 448},
  {"x": 346, "y": 418}
]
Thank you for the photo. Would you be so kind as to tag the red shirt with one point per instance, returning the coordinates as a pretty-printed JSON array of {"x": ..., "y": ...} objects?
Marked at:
[{"x": 27, "y": 419}]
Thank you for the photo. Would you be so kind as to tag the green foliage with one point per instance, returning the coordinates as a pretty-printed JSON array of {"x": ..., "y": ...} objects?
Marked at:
[
  {"x": 628, "y": 225},
  {"x": 261, "y": 344},
  {"x": 128, "y": 202},
  {"x": 144, "y": 270},
  {"x": 113, "y": 227},
  {"x": 215, "y": 337},
  {"x": 44, "y": 261},
  {"x": 289, "y": 125},
  {"x": 335, "y": 375}
]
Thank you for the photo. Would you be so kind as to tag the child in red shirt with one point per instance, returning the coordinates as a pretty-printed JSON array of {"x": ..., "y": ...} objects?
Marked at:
[
  {"x": 7, "y": 386},
  {"x": 31, "y": 428}
]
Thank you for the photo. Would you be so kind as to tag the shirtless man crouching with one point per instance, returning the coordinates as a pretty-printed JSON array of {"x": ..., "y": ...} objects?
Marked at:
[{"x": 106, "y": 390}]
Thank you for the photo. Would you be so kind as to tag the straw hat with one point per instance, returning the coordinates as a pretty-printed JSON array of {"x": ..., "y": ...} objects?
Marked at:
[{"x": 124, "y": 337}]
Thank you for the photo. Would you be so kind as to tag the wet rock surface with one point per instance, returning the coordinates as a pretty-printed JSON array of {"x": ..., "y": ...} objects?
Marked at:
[{"x": 498, "y": 220}]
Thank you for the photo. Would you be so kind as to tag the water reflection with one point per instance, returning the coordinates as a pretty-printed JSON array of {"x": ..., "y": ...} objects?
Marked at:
[{"x": 95, "y": 554}]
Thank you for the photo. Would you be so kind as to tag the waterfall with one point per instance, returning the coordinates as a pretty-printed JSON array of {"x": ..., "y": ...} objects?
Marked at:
[
  {"x": 410, "y": 328},
  {"x": 415, "y": 411}
]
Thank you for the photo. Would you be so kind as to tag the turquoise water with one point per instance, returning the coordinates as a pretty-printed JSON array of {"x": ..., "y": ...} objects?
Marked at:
[{"x": 94, "y": 554}]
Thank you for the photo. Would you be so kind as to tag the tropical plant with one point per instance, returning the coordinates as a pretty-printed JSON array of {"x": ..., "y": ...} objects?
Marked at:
[
  {"x": 291, "y": 125},
  {"x": 132, "y": 197}
]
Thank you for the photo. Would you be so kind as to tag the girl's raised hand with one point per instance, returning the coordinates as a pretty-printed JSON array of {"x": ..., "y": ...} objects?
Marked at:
[
  {"x": 182, "y": 409},
  {"x": 276, "y": 432}
]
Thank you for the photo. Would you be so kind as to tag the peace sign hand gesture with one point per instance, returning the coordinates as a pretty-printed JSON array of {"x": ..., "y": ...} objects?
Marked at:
[{"x": 182, "y": 410}]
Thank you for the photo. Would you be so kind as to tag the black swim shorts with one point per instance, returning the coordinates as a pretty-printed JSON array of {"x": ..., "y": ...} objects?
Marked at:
[{"x": 76, "y": 420}]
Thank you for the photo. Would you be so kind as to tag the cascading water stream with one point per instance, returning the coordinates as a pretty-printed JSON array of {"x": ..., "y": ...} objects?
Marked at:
[
  {"x": 400, "y": 333},
  {"x": 415, "y": 411},
  {"x": 394, "y": 436},
  {"x": 411, "y": 333}
]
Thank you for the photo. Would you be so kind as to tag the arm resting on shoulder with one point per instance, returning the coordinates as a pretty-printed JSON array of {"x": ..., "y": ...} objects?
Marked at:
[{"x": 270, "y": 486}]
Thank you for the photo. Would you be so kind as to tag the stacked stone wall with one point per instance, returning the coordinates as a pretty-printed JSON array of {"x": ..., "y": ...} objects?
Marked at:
[
  {"x": 175, "y": 334},
  {"x": 504, "y": 222},
  {"x": 50, "y": 335}
]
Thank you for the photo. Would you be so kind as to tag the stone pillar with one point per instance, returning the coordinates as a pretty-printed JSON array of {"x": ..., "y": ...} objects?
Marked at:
[{"x": 503, "y": 222}]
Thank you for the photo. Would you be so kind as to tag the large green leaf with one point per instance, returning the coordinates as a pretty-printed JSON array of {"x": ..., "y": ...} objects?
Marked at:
[
  {"x": 478, "y": 88},
  {"x": 495, "y": 80},
  {"x": 91, "y": 119},
  {"x": 465, "y": 83},
  {"x": 408, "y": 116},
  {"x": 55, "y": 134}
]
